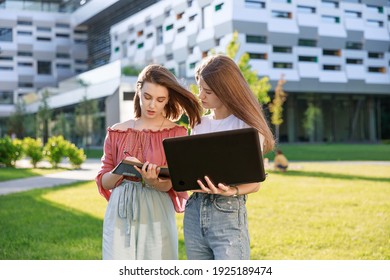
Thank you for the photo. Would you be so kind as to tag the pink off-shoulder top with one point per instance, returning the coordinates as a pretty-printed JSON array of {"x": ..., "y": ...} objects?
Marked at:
[{"x": 146, "y": 145}]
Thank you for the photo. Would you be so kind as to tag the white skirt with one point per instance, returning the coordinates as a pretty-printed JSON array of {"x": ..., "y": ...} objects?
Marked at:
[{"x": 139, "y": 224}]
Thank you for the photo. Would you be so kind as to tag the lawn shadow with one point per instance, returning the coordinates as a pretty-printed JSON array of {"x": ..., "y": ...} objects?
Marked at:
[
  {"x": 32, "y": 228},
  {"x": 317, "y": 174}
]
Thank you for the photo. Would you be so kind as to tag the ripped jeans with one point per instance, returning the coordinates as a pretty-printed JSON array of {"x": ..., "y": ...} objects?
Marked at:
[{"x": 216, "y": 227}]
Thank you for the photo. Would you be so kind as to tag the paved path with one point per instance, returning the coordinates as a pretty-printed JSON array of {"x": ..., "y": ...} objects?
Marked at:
[{"x": 87, "y": 172}]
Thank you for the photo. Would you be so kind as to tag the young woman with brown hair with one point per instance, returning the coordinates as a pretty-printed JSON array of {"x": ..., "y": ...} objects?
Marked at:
[
  {"x": 215, "y": 219},
  {"x": 140, "y": 218}
]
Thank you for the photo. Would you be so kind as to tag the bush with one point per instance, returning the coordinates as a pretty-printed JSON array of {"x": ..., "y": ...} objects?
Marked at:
[
  {"x": 55, "y": 149},
  {"x": 75, "y": 155},
  {"x": 33, "y": 148},
  {"x": 10, "y": 151}
]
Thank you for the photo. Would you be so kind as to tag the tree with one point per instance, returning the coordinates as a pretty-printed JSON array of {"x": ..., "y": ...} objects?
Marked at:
[
  {"x": 276, "y": 106},
  {"x": 44, "y": 115},
  {"x": 15, "y": 122},
  {"x": 312, "y": 115},
  {"x": 86, "y": 112}
]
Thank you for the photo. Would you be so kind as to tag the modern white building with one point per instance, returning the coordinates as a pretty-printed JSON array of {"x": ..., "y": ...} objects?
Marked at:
[{"x": 334, "y": 54}]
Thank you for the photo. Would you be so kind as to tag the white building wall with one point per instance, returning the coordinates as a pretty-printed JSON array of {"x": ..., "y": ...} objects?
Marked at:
[
  {"x": 39, "y": 36},
  {"x": 333, "y": 26}
]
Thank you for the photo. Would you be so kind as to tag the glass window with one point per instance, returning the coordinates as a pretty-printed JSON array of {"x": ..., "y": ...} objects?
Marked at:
[
  {"x": 257, "y": 39},
  {"x": 377, "y": 69},
  {"x": 354, "y": 61},
  {"x": 24, "y": 22},
  {"x": 6, "y": 58},
  {"x": 44, "y": 67},
  {"x": 20, "y": 53},
  {"x": 281, "y": 14},
  {"x": 285, "y": 65},
  {"x": 306, "y": 9},
  {"x": 6, "y": 97},
  {"x": 304, "y": 58},
  {"x": 24, "y": 33},
  {"x": 169, "y": 27},
  {"x": 354, "y": 45},
  {"x": 44, "y": 29},
  {"x": 279, "y": 49},
  {"x": 62, "y": 25},
  {"x": 375, "y": 55},
  {"x": 218, "y": 7},
  {"x": 255, "y": 4},
  {"x": 352, "y": 14},
  {"x": 6, "y": 35},
  {"x": 182, "y": 69},
  {"x": 330, "y": 4},
  {"x": 62, "y": 55},
  {"x": 330, "y": 19},
  {"x": 159, "y": 35},
  {"x": 331, "y": 52},
  {"x": 25, "y": 64},
  {"x": 307, "y": 42},
  {"x": 331, "y": 67},
  {"x": 262, "y": 56},
  {"x": 374, "y": 23}
]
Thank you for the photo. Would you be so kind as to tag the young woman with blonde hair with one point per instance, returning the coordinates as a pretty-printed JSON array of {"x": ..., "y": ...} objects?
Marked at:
[
  {"x": 215, "y": 219},
  {"x": 140, "y": 220}
]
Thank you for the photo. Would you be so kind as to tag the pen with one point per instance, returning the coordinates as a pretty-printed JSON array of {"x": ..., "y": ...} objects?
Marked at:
[{"x": 126, "y": 153}]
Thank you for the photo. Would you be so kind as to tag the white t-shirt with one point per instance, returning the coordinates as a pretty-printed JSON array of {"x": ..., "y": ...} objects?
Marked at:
[{"x": 209, "y": 124}]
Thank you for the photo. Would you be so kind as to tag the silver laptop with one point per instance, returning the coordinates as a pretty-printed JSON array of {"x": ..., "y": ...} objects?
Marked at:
[{"x": 229, "y": 157}]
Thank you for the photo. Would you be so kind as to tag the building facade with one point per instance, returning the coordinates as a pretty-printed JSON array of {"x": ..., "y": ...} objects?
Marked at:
[{"x": 333, "y": 55}]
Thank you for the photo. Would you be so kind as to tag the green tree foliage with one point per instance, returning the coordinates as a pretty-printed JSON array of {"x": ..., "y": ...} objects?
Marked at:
[
  {"x": 130, "y": 71},
  {"x": 86, "y": 116},
  {"x": 33, "y": 148},
  {"x": 44, "y": 115},
  {"x": 276, "y": 106},
  {"x": 10, "y": 151},
  {"x": 15, "y": 122},
  {"x": 312, "y": 115}
]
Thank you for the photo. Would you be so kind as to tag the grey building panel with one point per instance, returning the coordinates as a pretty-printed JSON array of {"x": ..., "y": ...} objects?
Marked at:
[
  {"x": 180, "y": 54},
  {"x": 376, "y": 46},
  {"x": 282, "y": 39},
  {"x": 42, "y": 55},
  {"x": 223, "y": 29},
  {"x": 308, "y": 32},
  {"x": 331, "y": 42},
  {"x": 25, "y": 47},
  {"x": 355, "y": 35}
]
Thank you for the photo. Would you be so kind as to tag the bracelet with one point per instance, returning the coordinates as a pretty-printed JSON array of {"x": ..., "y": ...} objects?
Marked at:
[{"x": 237, "y": 191}]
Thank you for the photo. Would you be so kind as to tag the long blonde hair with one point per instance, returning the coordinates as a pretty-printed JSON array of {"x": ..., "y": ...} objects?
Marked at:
[
  {"x": 225, "y": 79},
  {"x": 180, "y": 99}
]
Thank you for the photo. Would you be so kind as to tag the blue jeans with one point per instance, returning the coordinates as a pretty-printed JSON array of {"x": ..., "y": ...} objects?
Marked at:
[{"x": 216, "y": 227}]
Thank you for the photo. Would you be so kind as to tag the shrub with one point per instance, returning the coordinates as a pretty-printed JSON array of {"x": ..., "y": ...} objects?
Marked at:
[
  {"x": 55, "y": 149},
  {"x": 8, "y": 152},
  {"x": 75, "y": 155},
  {"x": 33, "y": 148}
]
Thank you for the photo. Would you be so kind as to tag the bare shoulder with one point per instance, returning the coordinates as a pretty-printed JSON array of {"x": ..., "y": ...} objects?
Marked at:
[
  {"x": 169, "y": 124},
  {"x": 123, "y": 125}
]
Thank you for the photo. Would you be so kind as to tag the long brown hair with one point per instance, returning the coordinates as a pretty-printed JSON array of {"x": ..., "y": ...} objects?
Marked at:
[
  {"x": 180, "y": 100},
  {"x": 225, "y": 79}
]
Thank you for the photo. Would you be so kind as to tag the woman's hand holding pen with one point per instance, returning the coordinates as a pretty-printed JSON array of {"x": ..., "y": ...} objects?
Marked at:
[{"x": 149, "y": 172}]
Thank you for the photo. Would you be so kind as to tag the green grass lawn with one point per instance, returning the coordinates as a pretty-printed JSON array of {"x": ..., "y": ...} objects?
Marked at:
[{"x": 314, "y": 211}]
